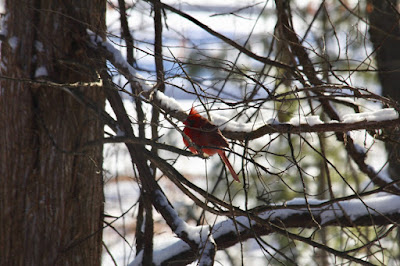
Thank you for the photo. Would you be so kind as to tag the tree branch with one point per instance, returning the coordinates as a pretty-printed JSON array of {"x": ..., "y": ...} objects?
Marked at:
[
  {"x": 234, "y": 44},
  {"x": 309, "y": 70},
  {"x": 306, "y": 128},
  {"x": 298, "y": 216}
]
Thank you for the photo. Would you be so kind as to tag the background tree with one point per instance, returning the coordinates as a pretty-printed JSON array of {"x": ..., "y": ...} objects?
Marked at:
[{"x": 385, "y": 34}]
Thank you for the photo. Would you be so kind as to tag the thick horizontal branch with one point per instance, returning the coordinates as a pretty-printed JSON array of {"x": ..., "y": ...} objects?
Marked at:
[
  {"x": 306, "y": 128},
  {"x": 349, "y": 213},
  {"x": 173, "y": 108},
  {"x": 249, "y": 131}
]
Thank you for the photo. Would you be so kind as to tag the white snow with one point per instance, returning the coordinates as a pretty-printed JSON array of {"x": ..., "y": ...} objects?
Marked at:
[
  {"x": 117, "y": 161},
  {"x": 41, "y": 72},
  {"x": 169, "y": 248},
  {"x": 386, "y": 204},
  {"x": 13, "y": 42},
  {"x": 225, "y": 124},
  {"x": 168, "y": 102},
  {"x": 120, "y": 59},
  {"x": 300, "y": 201},
  {"x": 3, "y": 21},
  {"x": 379, "y": 115},
  {"x": 198, "y": 234},
  {"x": 3, "y": 66},
  {"x": 39, "y": 46},
  {"x": 120, "y": 197},
  {"x": 3, "y": 7},
  {"x": 377, "y": 205},
  {"x": 310, "y": 120},
  {"x": 273, "y": 121},
  {"x": 163, "y": 249}
]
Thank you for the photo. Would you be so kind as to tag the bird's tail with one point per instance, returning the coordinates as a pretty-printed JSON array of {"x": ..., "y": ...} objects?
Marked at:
[{"x": 228, "y": 164}]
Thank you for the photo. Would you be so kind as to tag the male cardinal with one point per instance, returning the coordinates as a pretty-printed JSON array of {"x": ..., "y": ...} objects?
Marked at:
[{"x": 206, "y": 135}]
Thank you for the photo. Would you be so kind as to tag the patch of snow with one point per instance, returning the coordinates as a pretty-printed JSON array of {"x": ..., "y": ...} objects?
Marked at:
[
  {"x": 226, "y": 226},
  {"x": 41, "y": 72},
  {"x": 113, "y": 191},
  {"x": 273, "y": 121},
  {"x": 359, "y": 148},
  {"x": 3, "y": 66},
  {"x": 379, "y": 115},
  {"x": 117, "y": 161},
  {"x": 376, "y": 206},
  {"x": 166, "y": 101},
  {"x": 39, "y": 46},
  {"x": 120, "y": 59},
  {"x": 169, "y": 102},
  {"x": 164, "y": 248},
  {"x": 310, "y": 120},
  {"x": 3, "y": 24},
  {"x": 13, "y": 42},
  {"x": 197, "y": 234},
  {"x": 225, "y": 124},
  {"x": 301, "y": 201}
]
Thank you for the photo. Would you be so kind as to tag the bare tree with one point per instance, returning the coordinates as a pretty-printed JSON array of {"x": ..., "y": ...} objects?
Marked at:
[{"x": 315, "y": 110}]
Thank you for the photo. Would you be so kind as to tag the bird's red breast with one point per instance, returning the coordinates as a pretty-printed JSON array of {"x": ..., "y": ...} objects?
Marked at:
[{"x": 203, "y": 133}]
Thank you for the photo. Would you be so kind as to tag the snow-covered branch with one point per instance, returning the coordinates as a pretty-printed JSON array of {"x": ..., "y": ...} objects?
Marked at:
[
  {"x": 386, "y": 118},
  {"x": 312, "y": 124},
  {"x": 197, "y": 239},
  {"x": 376, "y": 211},
  {"x": 374, "y": 120}
]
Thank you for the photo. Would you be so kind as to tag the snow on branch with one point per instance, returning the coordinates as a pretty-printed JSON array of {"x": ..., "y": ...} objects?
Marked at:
[
  {"x": 376, "y": 211},
  {"x": 147, "y": 89},
  {"x": 197, "y": 238},
  {"x": 379, "y": 115},
  {"x": 385, "y": 118}
]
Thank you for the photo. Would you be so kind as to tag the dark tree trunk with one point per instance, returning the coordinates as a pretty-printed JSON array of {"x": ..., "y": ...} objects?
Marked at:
[
  {"x": 51, "y": 194},
  {"x": 385, "y": 36}
]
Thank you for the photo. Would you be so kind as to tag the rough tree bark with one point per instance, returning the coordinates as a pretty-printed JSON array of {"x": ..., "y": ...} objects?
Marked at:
[
  {"x": 51, "y": 196},
  {"x": 385, "y": 37}
]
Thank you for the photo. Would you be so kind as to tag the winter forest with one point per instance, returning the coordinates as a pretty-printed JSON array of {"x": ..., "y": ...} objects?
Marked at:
[{"x": 103, "y": 160}]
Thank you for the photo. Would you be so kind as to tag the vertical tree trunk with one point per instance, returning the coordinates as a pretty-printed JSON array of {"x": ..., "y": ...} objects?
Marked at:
[
  {"x": 385, "y": 36},
  {"x": 51, "y": 194}
]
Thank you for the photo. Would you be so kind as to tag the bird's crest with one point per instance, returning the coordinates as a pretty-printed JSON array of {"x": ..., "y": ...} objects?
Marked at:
[{"x": 193, "y": 112}]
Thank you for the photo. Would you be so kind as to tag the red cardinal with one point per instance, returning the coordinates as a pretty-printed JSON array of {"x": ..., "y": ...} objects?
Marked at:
[{"x": 204, "y": 134}]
